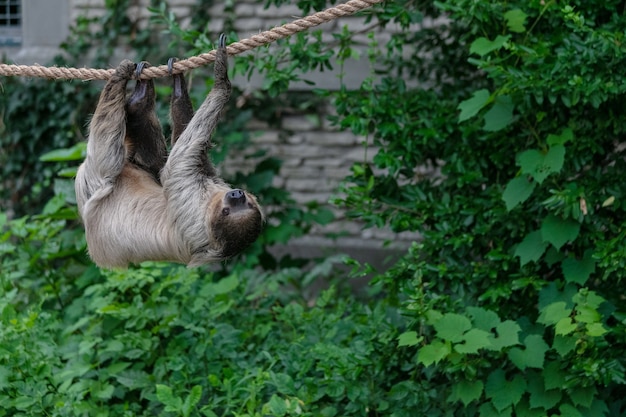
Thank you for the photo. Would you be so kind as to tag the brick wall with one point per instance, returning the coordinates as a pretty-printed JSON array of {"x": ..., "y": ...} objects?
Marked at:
[{"x": 316, "y": 156}]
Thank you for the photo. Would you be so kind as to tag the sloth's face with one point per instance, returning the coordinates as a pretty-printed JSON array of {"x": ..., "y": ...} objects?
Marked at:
[{"x": 236, "y": 221}]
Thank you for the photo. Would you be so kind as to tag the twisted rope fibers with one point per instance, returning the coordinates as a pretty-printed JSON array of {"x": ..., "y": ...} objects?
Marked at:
[{"x": 236, "y": 48}]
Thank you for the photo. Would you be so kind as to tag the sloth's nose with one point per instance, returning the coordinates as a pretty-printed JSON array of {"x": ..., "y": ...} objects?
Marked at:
[{"x": 236, "y": 197}]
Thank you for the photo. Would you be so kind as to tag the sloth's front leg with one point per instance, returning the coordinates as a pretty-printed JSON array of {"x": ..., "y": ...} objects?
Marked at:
[{"x": 181, "y": 110}]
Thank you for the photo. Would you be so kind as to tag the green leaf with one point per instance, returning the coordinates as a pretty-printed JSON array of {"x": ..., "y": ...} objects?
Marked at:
[
  {"x": 284, "y": 383},
  {"x": 499, "y": 115},
  {"x": 504, "y": 393},
  {"x": 565, "y": 136},
  {"x": 559, "y": 231},
  {"x": 467, "y": 391},
  {"x": 165, "y": 395},
  {"x": 23, "y": 402},
  {"x": 564, "y": 344},
  {"x": 473, "y": 341},
  {"x": 224, "y": 286},
  {"x": 515, "y": 20},
  {"x": 553, "y": 376},
  {"x": 482, "y": 46},
  {"x": 517, "y": 191},
  {"x": 588, "y": 298},
  {"x": 489, "y": 410},
  {"x": 540, "y": 165},
  {"x": 507, "y": 335},
  {"x": 470, "y": 107},
  {"x": 104, "y": 392},
  {"x": 554, "y": 159},
  {"x": 522, "y": 409},
  {"x": 75, "y": 153},
  {"x": 583, "y": 396},
  {"x": 578, "y": 271},
  {"x": 433, "y": 352},
  {"x": 554, "y": 312},
  {"x": 531, "y": 248},
  {"x": 539, "y": 396},
  {"x": 192, "y": 399},
  {"x": 532, "y": 356},
  {"x": 409, "y": 339},
  {"x": 69, "y": 172},
  {"x": 482, "y": 318},
  {"x": 277, "y": 406},
  {"x": 568, "y": 410},
  {"x": 565, "y": 326},
  {"x": 587, "y": 314},
  {"x": 530, "y": 160},
  {"x": 452, "y": 326},
  {"x": 596, "y": 329}
]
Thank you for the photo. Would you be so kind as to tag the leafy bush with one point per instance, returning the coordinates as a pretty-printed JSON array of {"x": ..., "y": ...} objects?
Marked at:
[{"x": 516, "y": 289}]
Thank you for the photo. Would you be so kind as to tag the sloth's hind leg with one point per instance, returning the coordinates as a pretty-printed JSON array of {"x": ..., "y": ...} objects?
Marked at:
[
  {"x": 144, "y": 134},
  {"x": 106, "y": 153}
]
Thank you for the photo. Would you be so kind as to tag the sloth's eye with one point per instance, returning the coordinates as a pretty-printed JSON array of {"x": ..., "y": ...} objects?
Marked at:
[{"x": 225, "y": 211}]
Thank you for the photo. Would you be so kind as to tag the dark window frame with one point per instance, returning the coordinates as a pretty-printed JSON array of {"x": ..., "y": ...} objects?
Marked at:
[{"x": 10, "y": 22}]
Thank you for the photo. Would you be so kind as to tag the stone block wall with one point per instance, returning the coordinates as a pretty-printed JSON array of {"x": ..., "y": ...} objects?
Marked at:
[{"x": 316, "y": 155}]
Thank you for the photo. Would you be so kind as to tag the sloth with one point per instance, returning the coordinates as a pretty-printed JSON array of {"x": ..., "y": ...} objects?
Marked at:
[{"x": 137, "y": 202}]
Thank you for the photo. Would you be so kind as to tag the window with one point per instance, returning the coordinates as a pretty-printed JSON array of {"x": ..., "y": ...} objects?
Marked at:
[{"x": 10, "y": 22}]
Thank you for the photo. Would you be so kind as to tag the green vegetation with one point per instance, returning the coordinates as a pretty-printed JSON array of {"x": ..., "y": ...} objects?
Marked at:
[{"x": 511, "y": 305}]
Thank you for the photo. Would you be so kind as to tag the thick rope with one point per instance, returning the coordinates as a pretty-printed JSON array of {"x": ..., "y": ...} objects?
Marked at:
[{"x": 235, "y": 48}]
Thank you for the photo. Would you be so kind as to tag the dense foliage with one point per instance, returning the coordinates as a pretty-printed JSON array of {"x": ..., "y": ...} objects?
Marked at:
[{"x": 512, "y": 304}]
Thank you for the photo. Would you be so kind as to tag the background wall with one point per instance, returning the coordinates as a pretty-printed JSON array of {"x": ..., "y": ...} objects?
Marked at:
[{"x": 316, "y": 155}]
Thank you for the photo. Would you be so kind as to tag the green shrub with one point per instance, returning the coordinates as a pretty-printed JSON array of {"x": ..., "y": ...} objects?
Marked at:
[{"x": 516, "y": 288}]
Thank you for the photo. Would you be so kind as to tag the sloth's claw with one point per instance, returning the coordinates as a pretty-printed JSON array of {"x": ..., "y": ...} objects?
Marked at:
[
  {"x": 170, "y": 65},
  {"x": 140, "y": 67}
]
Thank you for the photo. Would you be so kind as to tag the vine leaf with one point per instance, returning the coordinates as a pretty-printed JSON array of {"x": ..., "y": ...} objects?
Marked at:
[
  {"x": 583, "y": 396},
  {"x": 473, "y": 341},
  {"x": 578, "y": 271},
  {"x": 558, "y": 231},
  {"x": 539, "y": 396},
  {"x": 470, "y": 107},
  {"x": 409, "y": 339},
  {"x": 515, "y": 20},
  {"x": 489, "y": 410},
  {"x": 539, "y": 165},
  {"x": 433, "y": 352},
  {"x": 554, "y": 312},
  {"x": 504, "y": 393},
  {"x": 499, "y": 115},
  {"x": 566, "y": 135},
  {"x": 482, "y": 318},
  {"x": 166, "y": 396},
  {"x": 452, "y": 327},
  {"x": 553, "y": 376},
  {"x": 569, "y": 411},
  {"x": 564, "y": 344},
  {"x": 517, "y": 191},
  {"x": 508, "y": 332},
  {"x": 531, "y": 248},
  {"x": 277, "y": 406},
  {"x": 482, "y": 46},
  {"x": 192, "y": 399},
  {"x": 467, "y": 391},
  {"x": 531, "y": 357},
  {"x": 564, "y": 326}
]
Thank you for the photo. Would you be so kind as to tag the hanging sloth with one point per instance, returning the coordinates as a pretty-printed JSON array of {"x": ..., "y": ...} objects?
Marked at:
[{"x": 137, "y": 202}]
